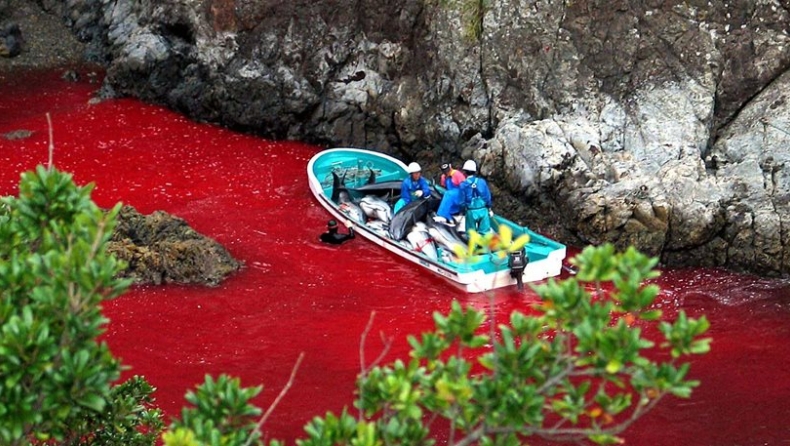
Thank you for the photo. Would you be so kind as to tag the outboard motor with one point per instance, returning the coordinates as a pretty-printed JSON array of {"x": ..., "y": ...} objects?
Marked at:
[{"x": 517, "y": 262}]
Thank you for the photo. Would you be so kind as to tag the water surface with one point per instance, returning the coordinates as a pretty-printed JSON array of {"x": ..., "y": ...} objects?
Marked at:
[{"x": 296, "y": 295}]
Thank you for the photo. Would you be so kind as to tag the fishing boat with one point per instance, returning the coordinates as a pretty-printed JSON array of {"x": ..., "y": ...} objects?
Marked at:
[{"x": 359, "y": 186}]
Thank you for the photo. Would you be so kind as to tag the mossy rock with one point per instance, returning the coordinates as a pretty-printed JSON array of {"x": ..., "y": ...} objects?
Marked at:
[{"x": 161, "y": 248}]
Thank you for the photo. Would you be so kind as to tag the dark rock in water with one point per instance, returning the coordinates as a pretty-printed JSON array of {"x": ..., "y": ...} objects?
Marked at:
[
  {"x": 70, "y": 75},
  {"x": 107, "y": 92},
  {"x": 11, "y": 40},
  {"x": 161, "y": 248}
]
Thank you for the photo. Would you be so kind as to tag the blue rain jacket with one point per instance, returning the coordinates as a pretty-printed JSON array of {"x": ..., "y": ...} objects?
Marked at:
[
  {"x": 477, "y": 200},
  {"x": 407, "y": 190}
]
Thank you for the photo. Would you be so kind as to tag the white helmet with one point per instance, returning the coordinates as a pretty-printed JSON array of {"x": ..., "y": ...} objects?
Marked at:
[
  {"x": 470, "y": 165},
  {"x": 413, "y": 168}
]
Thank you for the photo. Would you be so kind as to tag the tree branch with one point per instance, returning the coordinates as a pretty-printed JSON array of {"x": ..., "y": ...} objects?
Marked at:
[{"x": 276, "y": 400}]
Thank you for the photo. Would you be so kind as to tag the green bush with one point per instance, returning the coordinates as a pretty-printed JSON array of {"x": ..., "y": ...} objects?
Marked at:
[
  {"x": 578, "y": 370},
  {"x": 222, "y": 415},
  {"x": 54, "y": 273}
]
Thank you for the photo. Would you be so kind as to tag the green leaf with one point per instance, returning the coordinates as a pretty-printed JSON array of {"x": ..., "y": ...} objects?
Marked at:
[
  {"x": 650, "y": 315},
  {"x": 613, "y": 366},
  {"x": 700, "y": 346},
  {"x": 92, "y": 401}
]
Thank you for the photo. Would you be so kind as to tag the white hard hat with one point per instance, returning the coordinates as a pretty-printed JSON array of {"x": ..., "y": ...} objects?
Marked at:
[
  {"x": 470, "y": 165},
  {"x": 413, "y": 168}
]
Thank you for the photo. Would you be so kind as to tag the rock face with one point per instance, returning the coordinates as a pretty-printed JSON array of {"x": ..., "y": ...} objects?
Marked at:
[
  {"x": 10, "y": 40},
  {"x": 30, "y": 38},
  {"x": 651, "y": 123},
  {"x": 160, "y": 248}
]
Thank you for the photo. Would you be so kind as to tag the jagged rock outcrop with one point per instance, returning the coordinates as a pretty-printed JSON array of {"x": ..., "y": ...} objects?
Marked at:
[
  {"x": 641, "y": 122},
  {"x": 160, "y": 248}
]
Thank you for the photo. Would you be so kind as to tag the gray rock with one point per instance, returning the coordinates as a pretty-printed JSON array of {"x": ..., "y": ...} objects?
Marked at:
[
  {"x": 11, "y": 40},
  {"x": 656, "y": 124}
]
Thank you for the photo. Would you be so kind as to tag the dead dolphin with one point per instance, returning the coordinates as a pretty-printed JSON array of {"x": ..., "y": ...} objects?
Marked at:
[
  {"x": 345, "y": 202},
  {"x": 421, "y": 240},
  {"x": 410, "y": 214},
  {"x": 391, "y": 188},
  {"x": 375, "y": 207},
  {"x": 445, "y": 235}
]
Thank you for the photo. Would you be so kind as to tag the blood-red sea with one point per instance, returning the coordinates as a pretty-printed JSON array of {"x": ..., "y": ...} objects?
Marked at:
[{"x": 296, "y": 296}]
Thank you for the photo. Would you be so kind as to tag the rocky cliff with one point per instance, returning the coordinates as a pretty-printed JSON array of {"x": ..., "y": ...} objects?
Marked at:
[{"x": 659, "y": 124}]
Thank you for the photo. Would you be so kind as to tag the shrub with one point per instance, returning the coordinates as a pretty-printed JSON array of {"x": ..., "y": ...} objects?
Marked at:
[
  {"x": 54, "y": 273},
  {"x": 579, "y": 369}
]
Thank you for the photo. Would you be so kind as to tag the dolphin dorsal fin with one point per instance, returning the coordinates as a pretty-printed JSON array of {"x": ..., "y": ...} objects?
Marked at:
[{"x": 337, "y": 184}]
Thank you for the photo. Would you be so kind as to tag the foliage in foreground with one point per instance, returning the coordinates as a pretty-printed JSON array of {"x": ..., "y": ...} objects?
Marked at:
[
  {"x": 577, "y": 369},
  {"x": 57, "y": 377},
  {"x": 222, "y": 415}
]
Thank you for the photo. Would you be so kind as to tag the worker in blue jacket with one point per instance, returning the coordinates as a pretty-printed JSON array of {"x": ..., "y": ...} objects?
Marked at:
[
  {"x": 413, "y": 188},
  {"x": 477, "y": 200},
  {"x": 452, "y": 202}
]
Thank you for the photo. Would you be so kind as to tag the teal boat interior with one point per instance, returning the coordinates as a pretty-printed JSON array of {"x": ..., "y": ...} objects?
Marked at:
[{"x": 356, "y": 169}]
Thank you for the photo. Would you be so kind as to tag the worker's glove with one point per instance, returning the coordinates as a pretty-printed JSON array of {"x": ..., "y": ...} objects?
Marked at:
[{"x": 418, "y": 194}]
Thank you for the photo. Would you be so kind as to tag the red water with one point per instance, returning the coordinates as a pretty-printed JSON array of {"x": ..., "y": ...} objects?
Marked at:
[{"x": 298, "y": 296}]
